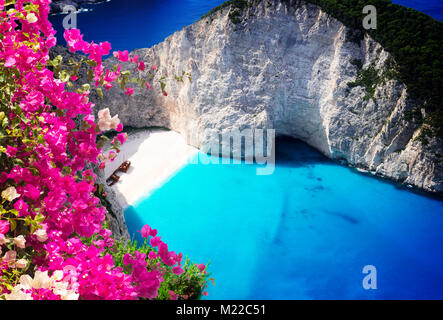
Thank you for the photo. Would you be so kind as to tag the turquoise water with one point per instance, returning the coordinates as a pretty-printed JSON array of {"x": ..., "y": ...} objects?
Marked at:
[{"x": 304, "y": 232}]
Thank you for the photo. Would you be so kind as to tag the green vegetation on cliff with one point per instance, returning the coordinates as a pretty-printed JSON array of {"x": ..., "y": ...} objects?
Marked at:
[{"x": 414, "y": 39}]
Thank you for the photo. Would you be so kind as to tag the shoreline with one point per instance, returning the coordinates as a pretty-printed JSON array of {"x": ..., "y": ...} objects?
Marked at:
[{"x": 155, "y": 156}]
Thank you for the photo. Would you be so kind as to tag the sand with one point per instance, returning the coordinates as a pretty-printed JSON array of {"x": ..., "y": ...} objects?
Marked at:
[{"x": 155, "y": 155}]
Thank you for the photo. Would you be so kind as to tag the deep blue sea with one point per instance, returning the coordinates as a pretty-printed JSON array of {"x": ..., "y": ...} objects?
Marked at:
[
  {"x": 305, "y": 232},
  {"x": 132, "y": 24}
]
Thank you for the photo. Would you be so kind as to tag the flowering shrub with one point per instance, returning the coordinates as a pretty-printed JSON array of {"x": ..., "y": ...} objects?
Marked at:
[
  {"x": 53, "y": 239},
  {"x": 187, "y": 281}
]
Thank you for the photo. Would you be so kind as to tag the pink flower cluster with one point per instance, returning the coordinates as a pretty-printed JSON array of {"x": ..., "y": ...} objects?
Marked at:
[{"x": 46, "y": 192}]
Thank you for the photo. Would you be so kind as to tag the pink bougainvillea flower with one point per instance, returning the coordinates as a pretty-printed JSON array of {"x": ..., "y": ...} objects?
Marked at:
[
  {"x": 4, "y": 226},
  {"x": 129, "y": 91},
  {"x": 154, "y": 68},
  {"x": 148, "y": 86},
  {"x": 22, "y": 207},
  {"x": 142, "y": 66},
  {"x": 122, "y": 56},
  {"x": 74, "y": 39},
  {"x": 10, "y": 61},
  {"x": 11, "y": 151},
  {"x": 173, "y": 295},
  {"x": 135, "y": 59},
  {"x": 122, "y": 137},
  {"x": 146, "y": 231},
  {"x": 155, "y": 241},
  {"x": 201, "y": 267},
  {"x": 152, "y": 255},
  {"x": 119, "y": 127},
  {"x": 177, "y": 270}
]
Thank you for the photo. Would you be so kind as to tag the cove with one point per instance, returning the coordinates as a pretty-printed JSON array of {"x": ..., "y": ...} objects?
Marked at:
[{"x": 304, "y": 232}]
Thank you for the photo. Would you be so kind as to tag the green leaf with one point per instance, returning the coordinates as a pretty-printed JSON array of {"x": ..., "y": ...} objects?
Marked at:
[
  {"x": 86, "y": 87},
  {"x": 100, "y": 92},
  {"x": 28, "y": 220},
  {"x": 39, "y": 218},
  {"x": 92, "y": 63},
  {"x": 5, "y": 122},
  {"x": 90, "y": 75},
  {"x": 12, "y": 224},
  {"x": 57, "y": 61},
  {"x": 100, "y": 144},
  {"x": 64, "y": 76},
  {"x": 18, "y": 162}
]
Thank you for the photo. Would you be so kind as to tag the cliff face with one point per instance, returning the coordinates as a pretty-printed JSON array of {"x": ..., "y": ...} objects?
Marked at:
[{"x": 287, "y": 69}]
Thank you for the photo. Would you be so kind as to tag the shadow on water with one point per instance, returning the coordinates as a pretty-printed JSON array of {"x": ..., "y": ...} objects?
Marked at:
[
  {"x": 134, "y": 223},
  {"x": 290, "y": 152},
  {"x": 343, "y": 216}
]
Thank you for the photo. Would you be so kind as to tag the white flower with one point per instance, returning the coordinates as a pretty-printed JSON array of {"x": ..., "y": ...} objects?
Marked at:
[
  {"x": 3, "y": 239},
  {"x": 18, "y": 294},
  {"x": 105, "y": 122},
  {"x": 42, "y": 281},
  {"x": 70, "y": 295},
  {"x": 10, "y": 257},
  {"x": 58, "y": 275},
  {"x": 22, "y": 263},
  {"x": 107, "y": 158},
  {"x": 41, "y": 235},
  {"x": 31, "y": 18},
  {"x": 10, "y": 194},
  {"x": 20, "y": 241}
]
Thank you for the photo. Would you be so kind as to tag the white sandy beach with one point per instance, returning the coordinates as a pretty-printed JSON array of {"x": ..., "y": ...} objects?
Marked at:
[{"x": 155, "y": 156}]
